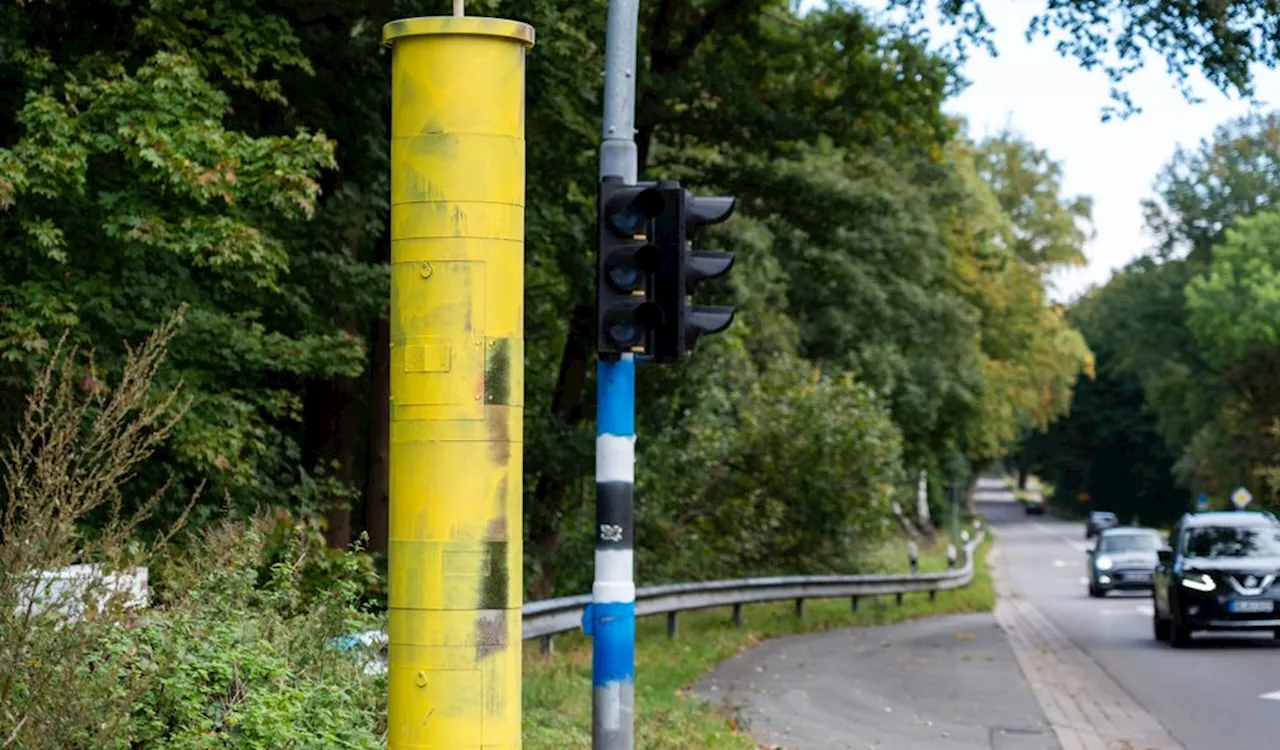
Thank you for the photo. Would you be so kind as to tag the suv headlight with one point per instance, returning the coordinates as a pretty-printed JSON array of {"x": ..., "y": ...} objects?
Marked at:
[
  {"x": 1104, "y": 563},
  {"x": 1198, "y": 581}
]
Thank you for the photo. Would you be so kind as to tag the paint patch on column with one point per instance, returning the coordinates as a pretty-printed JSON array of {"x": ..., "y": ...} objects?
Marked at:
[
  {"x": 497, "y": 372},
  {"x": 491, "y": 633},
  {"x": 493, "y": 588},
  {"x": 498, "y": 431}
]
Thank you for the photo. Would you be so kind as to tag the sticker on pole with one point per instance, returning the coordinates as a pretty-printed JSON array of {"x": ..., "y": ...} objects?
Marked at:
[{"x": 1241, "y": 498}]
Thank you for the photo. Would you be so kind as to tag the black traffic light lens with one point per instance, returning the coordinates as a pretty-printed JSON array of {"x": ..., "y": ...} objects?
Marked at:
[
  {"x": 626, "y": 268},
  {"x": 626, "y": 335},
  {"x": 631, "y": 218},
  {"x": 624, "y": 278},
  {"x": 627, "y": 326}
]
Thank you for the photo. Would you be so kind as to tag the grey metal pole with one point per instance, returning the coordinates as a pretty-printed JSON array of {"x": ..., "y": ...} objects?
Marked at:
[
  {"x": 618, "y": 149},
  {"x": 612, "y": 615}
]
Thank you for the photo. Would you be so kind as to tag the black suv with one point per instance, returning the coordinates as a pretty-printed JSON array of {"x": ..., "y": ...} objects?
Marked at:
[{"x": 1217, "y": 574}]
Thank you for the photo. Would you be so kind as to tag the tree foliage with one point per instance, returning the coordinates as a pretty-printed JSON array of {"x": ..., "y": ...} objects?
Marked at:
[
  {"x": 1221, "y": 40},
  {"x": 232, "y": 156},
  {"x": 1188, "y": 330}
]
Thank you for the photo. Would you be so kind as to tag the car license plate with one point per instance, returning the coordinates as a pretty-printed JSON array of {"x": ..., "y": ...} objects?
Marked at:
[
  {"x": 1138, "y": 577},
  {"x": 1251, "y": 605}
]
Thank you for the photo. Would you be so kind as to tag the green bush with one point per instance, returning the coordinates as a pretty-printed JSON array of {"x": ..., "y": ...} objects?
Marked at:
[
  {"x": 798, "y": 481},
  {"x": 238, "y": 663},
  {"x": 233, "y": 651}
]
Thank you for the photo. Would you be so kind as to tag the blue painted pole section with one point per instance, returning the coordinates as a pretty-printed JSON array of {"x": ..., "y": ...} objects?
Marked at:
[{"x": 612, "y": 615}]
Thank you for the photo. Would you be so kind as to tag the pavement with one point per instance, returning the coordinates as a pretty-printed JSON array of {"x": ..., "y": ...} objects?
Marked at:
[
  {"x": 948, "y": 683},
  {"x": 1050, "y": 669}
]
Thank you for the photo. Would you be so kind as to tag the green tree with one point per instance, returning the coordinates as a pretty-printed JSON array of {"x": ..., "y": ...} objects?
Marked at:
[
  {"x": 1012, "y": 230},
  {"x": 128, "y": 188}
]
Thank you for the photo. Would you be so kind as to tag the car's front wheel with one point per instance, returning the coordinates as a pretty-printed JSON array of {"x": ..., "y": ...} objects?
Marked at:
[
  {"x": 1179, "y": 633},
  {"x": 1160, "y": 626},
  {"x": 1097, "y": 592}
]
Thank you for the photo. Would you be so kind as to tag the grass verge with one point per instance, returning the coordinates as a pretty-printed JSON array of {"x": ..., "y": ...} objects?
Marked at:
[{"x": 557, "y": 692}]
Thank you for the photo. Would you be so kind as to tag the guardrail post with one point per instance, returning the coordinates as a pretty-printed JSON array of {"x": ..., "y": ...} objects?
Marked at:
[
  {"x": 799, "y": 608},
  {"x": 933, "y": 596},
  {"x": 547, "y": 646},
  {"x": 899, "y": 598},
  {"x": 737, "y": 615},
  {"x": 853, "y": 604},
  {"x": 672, "y": 624}
]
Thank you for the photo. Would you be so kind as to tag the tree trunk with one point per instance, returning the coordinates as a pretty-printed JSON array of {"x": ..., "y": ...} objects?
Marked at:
[
  {"x": 923, "y": 518},
  {"x": 568, "y": 407},
  {"x": 377, "y": 491},
  {"x": 330, "y": 429},
  {"x": 907, "y": 527},
  {"x": 546, "y": 534},
  {"x": 970, "y": 492}
]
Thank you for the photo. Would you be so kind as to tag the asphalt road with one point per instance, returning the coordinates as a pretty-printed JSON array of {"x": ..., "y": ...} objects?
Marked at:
[{"x": 1224, "y": 692}]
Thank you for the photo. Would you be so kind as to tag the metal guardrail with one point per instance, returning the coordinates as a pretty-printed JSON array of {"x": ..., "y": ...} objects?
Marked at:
[
  {"x": 552, "y": 616},
  {"x": 549, "y": 617}
]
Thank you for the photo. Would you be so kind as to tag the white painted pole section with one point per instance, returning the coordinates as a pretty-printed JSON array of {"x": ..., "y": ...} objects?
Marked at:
[{"x": 616, "y": 458}]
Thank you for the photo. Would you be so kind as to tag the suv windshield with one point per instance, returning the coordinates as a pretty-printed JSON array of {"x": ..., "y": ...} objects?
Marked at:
[
  {"x": 1233, "y": 541},
  {"x": 1129, "y": 543}
]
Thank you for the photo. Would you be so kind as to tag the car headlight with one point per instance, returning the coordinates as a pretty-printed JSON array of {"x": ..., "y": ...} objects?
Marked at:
[
  {"x": 1198, "y": 582},
  {"x": 1104, "y": 563}
]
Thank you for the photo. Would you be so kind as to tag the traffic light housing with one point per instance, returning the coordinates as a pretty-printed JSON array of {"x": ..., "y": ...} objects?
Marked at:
[
  {"x": 681, "y": 270},
  {"x": 627, "y": 259}
]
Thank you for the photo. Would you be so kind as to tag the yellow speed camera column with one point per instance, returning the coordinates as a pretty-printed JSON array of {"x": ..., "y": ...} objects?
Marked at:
[{"x": 457, "y": 381}]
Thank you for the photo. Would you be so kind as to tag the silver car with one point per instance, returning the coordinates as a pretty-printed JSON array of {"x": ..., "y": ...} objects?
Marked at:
[{"x": 1123, "y": 559}]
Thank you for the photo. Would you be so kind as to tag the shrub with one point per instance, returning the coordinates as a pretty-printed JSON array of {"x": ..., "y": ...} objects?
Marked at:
[
  {"x": 796, "y": 480},
  {"x": 237, "y": 662},
  {"x": 77, "y": 445},
  {"x": 233, "y": 654}
]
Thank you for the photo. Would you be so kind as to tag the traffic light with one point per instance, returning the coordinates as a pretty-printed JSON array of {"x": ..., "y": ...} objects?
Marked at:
[
  {"x": 626, "y": 315},
  {"x": 682, "y": 269}
]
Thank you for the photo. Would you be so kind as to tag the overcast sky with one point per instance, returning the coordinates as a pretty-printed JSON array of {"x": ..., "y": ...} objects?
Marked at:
[{"x": 1058, "y": 106}]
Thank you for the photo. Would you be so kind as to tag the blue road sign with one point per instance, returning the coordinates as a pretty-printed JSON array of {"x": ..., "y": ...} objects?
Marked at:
[{"x": 1202, "y": 502}]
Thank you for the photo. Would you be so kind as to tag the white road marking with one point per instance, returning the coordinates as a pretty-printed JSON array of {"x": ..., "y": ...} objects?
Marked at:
[
  {"x": 1084, "y": 581},
  {"x": 1075, "y": 544},
  {"x": 1059, "y": 563},
  {"x": 1275, "y": 696},
  {"x": 1141, "y": 609}
]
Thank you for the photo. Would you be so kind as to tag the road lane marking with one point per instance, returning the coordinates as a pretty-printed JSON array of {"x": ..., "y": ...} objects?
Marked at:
[
  {"x": 1073, "y": 543},
  {"x": 1275, "y": 696},
  {"x": 1142, "y": 609}
]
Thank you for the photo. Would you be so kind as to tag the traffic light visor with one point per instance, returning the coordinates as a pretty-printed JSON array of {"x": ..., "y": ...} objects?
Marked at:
[{"x": 710, "y": 209}]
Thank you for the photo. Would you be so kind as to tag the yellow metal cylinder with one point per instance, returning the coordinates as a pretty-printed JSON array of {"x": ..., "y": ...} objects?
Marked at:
[{"x": 457, "y": 381}]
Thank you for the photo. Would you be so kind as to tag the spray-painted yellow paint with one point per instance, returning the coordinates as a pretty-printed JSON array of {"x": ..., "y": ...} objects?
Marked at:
[{"x": 457, "y": 381}]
